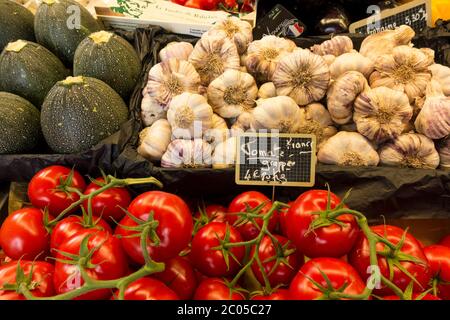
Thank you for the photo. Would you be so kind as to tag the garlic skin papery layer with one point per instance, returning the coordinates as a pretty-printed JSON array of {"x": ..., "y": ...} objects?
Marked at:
[
  {"x": 280, "y": 113},
  {"x": 225, "y": 154},
  {"x": 315, "y": 119},
  {"x": 187, "y": 154},
  {"x": 151, "y": 110},
  {"x": 336, "y": 46},
  {"x": 178, "y": 50},
  {"x": 153, "y": 140},
  {"x": 237, "y": 30}
]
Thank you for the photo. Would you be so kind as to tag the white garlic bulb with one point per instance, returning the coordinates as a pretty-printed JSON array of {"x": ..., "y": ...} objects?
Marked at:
[
  {"x": 263, "y": 56},
  {"x": 151, "y": 110},
  {"x": 180, "y": 50},
  {"x": 212, "y": 55},
  {"x": 352, "y": 61},
  {"x": 225, "y": 154},
  {"x": 434, "y": 119},
  {"x": 190, "y": 116},
  {"x": 444, "y": 153},
  {"x": 279, "y": 113},
  {"x": 315, "y": 119},
  {"x": 410, "y": 150},
  {"x": 187, "y": 154},
  {"x": 218, "y": 132},
  {"x": 342, "y": 95},
  {"x": 170, "y": 78},
  {"x": 244, "y": 123},
  {"x": 348, "y": 149},
  {"x": 267, "y": 90},
  {"x": 335, "y": 46},
  {"x": 442, "y": 75},
  {"x": 384, "y": 42},
  {"x": 329, "y": 59},
  {"x": 406, "y": 70},
  {"x": 303, "y": 76},
  {"x": 235, "y": 29},
  {"x": 153, "y": 141},
  {"x": 232, "y": 93},
  {"x": 382, "y": 113}
]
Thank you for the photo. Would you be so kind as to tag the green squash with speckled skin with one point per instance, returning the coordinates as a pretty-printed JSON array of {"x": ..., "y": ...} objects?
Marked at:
[
  {"x": 20, "y": 129},
  {"x": 29, "y": 70},
  {"x": 110, "y": 58},
  {"x": 79, "y": 112},
  {"x": 60, "y": 25},
  {"x": 16, "y": 22}
]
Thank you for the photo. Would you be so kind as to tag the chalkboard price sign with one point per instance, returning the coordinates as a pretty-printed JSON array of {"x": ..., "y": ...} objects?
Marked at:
[{"x": 276, "y": 159}]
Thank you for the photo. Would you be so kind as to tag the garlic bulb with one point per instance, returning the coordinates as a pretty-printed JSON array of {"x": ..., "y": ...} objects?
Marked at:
[
  {"x": 384, "y": 42},
  {"x": 348, "y": 149},
  {"x": 444, "y": 153},
  {"x": 179, "y": 50},
  {"x": 170, "y": 78},
  {"x": 279, "y": 113},
  {"x": 353, "y": 61},
  {"x": 410, "y": 150},
  {"x": 218, "y": 132},
  {"x": 329, "y": 59},
  {"x": 190, "y": 116},
  {"x": 244, "y": 123},
  {"x": 434, "y": 119},
  {"x": 263, "y": 56},
  {"x": 153, "y": 141},
  {"x": 187, "y": 154},
  {"x": 212, "y": 55},
  {"x": 303, "y": 76},
  {"x": 225, "y": 154},
  {"x": 442, "y": 75},
  {"x": 406, "y": 70},
  {"x": 267, "y": 90},
  {"x": 232, "y": 93},
  {"x": 235, "y": 29},
  {"x": 342, "y": 95},
  {"x": 151, "y": 110},
  {"x": 382, "y": 113},
  {"x": 315, "y": 119},
  {"x": 335, "y": 46}
]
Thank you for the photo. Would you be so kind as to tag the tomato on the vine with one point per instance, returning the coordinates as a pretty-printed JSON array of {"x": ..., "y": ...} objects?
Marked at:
[
  {"x": 278, "y": 294},
  {"x": 280, "y": 260},
  {"x": 72, "y": 225},
  {"x": 179, "y": 276},
  {"x": 408, "y": 256},
  {"x": 283, "y": 221},
  {"x": 193, "y": 4},
  {"x": 40, "y": 284},
  {"x": 181, "y": 2},
  {"x": 213, "y": 262},
  {"x": 445, "y": 241},
  {"x": 24, "y": 235},
  {"x": 148, "y": 289},
  {"x": 108, "y": 204},
  {"x": 53, "y": 188},
  {"x": 107, "y": 262},
  {"x": 243, "y": 203},
  {"x": 439, "y": 260},
  {"x": 334, "y": 240},
  {"x": 216, "y": 289},
  {"x": 212, "y": 212},
  {"x": 340, "y": 274},
  {"x": 415, "y": 296},
  {"x": 174, "y": 226}
]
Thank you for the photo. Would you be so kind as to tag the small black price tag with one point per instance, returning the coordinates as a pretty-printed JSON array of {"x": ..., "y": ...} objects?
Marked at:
[
  {"x": 279, "y": 22},
  {"x": 276, "y": 159}
]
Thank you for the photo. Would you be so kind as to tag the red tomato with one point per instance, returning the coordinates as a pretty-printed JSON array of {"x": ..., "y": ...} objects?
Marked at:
[
  {"x": 148, "y": 289},
  {"x": 70, "y": 226},
  {"x": 181, "y": 2},
  {"x": 109, "y": 260},
  {"x": 216, "y": 289},
  {"x": 230, "y": 4},
  {"x": 212, "y": 262},
  {"x": 445, "y": 241},
  {"x": 241, "y": 203},
  {"x": 108, "y": 204},
  {"x": 193, "y": 4},
  {"x": 439, "y": 260},
  {"x": 212, "y": 212},
  {"x": 46, "y": 188},
  {"x": 282, "y": 273},
  {"x": 416, "y": 296},
  {"x": 340, "y": 274},
  {"x": 23, "y": 235},
  {"x": 208, "y": 4},
  {"x": 179, "y": 276},
  {"x": 41, "y": 284},
  {"x": 174, "y": 229},
  {"x": 279, "y": 294},
  {"x": 331, "y": 241},
  {"x": 359, "y": 258},
  {"x": 282, "y": 219}
]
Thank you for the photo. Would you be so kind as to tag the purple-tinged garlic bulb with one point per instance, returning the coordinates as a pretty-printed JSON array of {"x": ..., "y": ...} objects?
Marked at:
[
  {"x": 153, "y": 140},
  {"x": 187, "y": 154},
  {"x": 179, "y": 50},
  {"x": 336, "y": 46},
  {"x": 441, "y": 74},
  {"x": 237, "y": 30},
  {"x": 315, "y": 119}
]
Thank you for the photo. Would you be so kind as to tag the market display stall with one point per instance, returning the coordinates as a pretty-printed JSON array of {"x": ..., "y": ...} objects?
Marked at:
[{"x": 121, "y": 134}]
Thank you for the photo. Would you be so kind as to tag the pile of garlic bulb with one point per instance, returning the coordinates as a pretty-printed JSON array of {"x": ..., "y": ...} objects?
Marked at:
[{"x": 386, "y": 104}]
